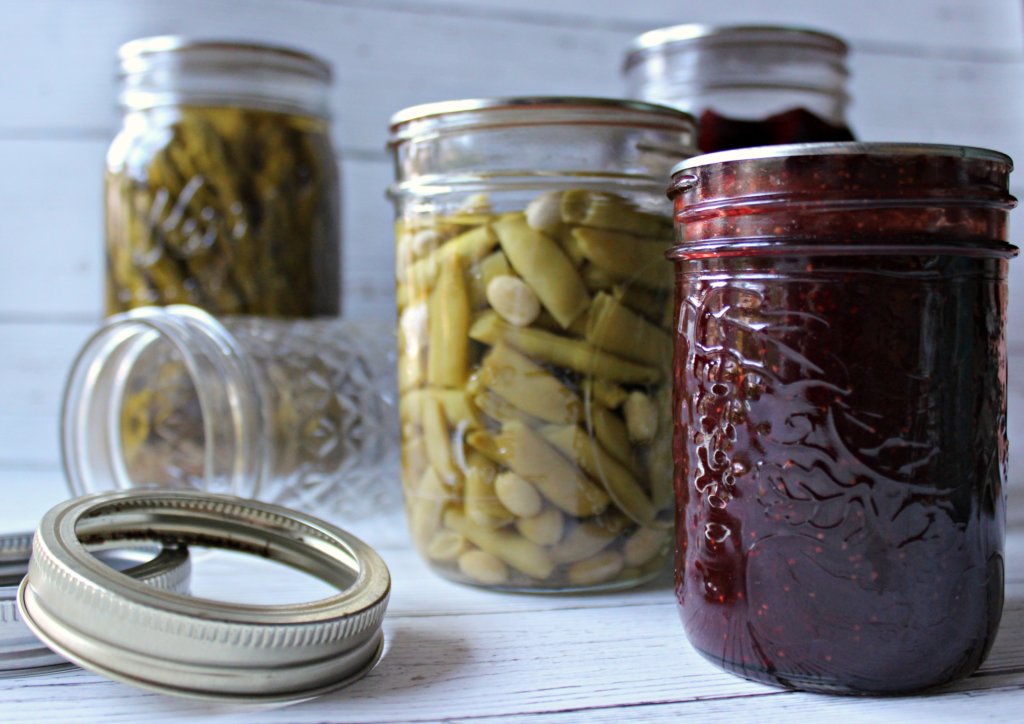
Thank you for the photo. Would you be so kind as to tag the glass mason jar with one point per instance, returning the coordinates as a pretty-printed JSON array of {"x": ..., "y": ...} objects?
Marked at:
[
  {"x": 222, "y": 185},
  {"x": 746, "y": 85},
  {"x": 534, "y": 337},
  {"x": 296, "y": 412},
  {"x": 841, "y": 396}
]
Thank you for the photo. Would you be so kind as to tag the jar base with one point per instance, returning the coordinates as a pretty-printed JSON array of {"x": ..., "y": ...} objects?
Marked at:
[
  {"x": 822, "y": 685},
  {"x": 660, "y": 577}
]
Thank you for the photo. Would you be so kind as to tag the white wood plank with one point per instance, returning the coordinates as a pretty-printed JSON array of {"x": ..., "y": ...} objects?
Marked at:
[
  {"x": 33, "y": 367},
  {"x": 982, "y": 26},
  {"x": 388, "y": 57}
]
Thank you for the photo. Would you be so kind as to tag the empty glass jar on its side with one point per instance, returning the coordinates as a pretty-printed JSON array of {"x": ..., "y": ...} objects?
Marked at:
[
  {"x": 841, "y": 398},
  {"x": 534, "y": 346},
  {"x": 296, "y": 412}
]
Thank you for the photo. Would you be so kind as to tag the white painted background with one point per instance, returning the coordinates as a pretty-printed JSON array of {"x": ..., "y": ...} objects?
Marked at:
[{"x": 925, "y": 70}]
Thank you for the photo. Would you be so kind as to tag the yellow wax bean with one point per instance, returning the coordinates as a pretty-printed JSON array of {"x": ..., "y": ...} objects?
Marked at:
[
  {"x": 586, "y": 539},
  {"x": 482, "y": 504},
  {"x": 562, "y": 352},
  {"x": 493, "y": 265},
  {"x": 528, "y": 386},
  {"x": 608, "y": 394},
  {"x": 483, "y": 568},
  {"x": 544, "y": 529},
  {"x": 426, "y": 507},
  {"x": 544, "y": 266},
  {"x": 457, "y": 406},
  {"x": 448, "y": 354},
  {"x": 613, "y": 327},
  {"x": 597, "y": 569},
  {"x": 439, "y": 444},
  {"x": 484, "y": 444},
  {"x": 557, "y": 479},
  {"x": 516, "y": 551},
  {"x": 607, "y": 211},
  {"x": 500, "y": 410},
  {"x": 611, "y": 432},
  {"x": 469, "y": 248},
  {"x": 627, "y": 258},
  {"x": 618, "y": 481}
]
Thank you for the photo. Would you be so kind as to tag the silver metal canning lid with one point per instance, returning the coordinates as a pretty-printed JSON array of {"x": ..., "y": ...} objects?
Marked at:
[
  {"x": 127, "y": 631},
  {"x": 470, "y": 105},
  {"x": 21, "y": 652},
  {"x": 688, "y": 33},
  {"x": 846, "y": 148}
]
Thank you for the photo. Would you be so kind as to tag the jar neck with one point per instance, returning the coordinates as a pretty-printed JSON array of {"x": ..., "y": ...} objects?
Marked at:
[
  {"x": 223, "y": 74},
  {"x": 539, "y": 143},
  {"x": 226, "y": 384},
  {"x": 748, "y": 81}
]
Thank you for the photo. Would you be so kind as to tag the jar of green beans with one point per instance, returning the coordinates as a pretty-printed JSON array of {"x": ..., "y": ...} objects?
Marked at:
[
  {"x": 222, "y": 185},
  {"x": 534, "y": 346}
]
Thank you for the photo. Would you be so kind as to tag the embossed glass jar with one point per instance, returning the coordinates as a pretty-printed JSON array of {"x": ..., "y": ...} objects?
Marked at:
[
  {"x": 840, "y": 439},
  {"x": 221, "y": 184},
  {"x": 296, "y": 412}
]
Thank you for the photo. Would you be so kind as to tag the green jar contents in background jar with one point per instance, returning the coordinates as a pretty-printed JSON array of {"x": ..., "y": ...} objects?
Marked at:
[
  {"x": 534, "y": 337},
  {"x": 222, "y": 186}
]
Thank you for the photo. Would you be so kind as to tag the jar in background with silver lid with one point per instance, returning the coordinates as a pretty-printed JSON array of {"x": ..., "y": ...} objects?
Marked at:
[
  {"x": 222, "y": 184},
  {"x": 746, "y": 85},
  {"x": 534, "y": 337},
  {"x": 296, "y": 412}
]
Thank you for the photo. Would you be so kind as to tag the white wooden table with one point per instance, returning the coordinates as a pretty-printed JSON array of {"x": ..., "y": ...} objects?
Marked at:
[{"x": 459, "y": 654}]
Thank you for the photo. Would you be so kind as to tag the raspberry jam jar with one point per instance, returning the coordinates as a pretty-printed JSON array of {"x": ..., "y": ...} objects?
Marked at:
[{"x": 840, "y": 411}]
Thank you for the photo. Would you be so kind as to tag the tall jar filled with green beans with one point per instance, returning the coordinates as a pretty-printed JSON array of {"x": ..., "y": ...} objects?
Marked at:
[
  {"x": 222, "y": 185},
  {"x": 534, "y": 345}
]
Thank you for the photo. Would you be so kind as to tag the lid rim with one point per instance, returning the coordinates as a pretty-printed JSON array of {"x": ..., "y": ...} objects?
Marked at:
[
  {"x": 674, "y": 35},
  {"x": 223, "y": 651},
  {"x": 139, "y": 48},
  {"x": 844, "y": 148},
  {"x": 437, "y": 109}
]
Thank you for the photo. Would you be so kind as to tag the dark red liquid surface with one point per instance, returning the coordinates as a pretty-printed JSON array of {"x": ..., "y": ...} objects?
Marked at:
[
  {"x": 840, "y": 458},
  {"x": 721, "y": 133}
]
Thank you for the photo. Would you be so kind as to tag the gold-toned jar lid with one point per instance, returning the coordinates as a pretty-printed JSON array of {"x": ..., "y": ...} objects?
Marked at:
[
  {"x": 21, "y": 652},
  {"x": 196, "y": 647}
]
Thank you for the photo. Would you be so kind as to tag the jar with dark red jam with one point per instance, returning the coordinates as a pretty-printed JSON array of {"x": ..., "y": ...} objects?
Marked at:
[
  {"x": 746, "y": 85},
  {"x": 840, "y": 401}
]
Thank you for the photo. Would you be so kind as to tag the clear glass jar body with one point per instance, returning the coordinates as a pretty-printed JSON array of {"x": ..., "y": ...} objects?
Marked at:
[
  {"x": 222, "y": 185},
  {"x": 296, "y": 412},
  {"x": 841, "y": 390},
  {"x": 746, "y": 85},
  {"x": 534, "y": 347}
]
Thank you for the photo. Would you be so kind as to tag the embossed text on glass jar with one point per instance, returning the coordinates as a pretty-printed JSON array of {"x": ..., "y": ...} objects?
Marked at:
[{"x": 840, "y": 436}]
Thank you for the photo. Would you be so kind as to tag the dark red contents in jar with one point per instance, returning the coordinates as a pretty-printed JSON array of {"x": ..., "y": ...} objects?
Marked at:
[
  {"x": 840, "y": 439},
  {"x": 721, "y": 133}
]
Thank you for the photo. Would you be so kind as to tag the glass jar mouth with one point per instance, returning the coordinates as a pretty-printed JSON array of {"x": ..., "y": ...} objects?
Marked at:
[
  {"x": 838, "y": 148},
  {"x": 172, "y": 70},
  {"x": 675, "y": 37},
  {"x": 94, "y": 398},
  {"x": 477, "y": 113}
]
